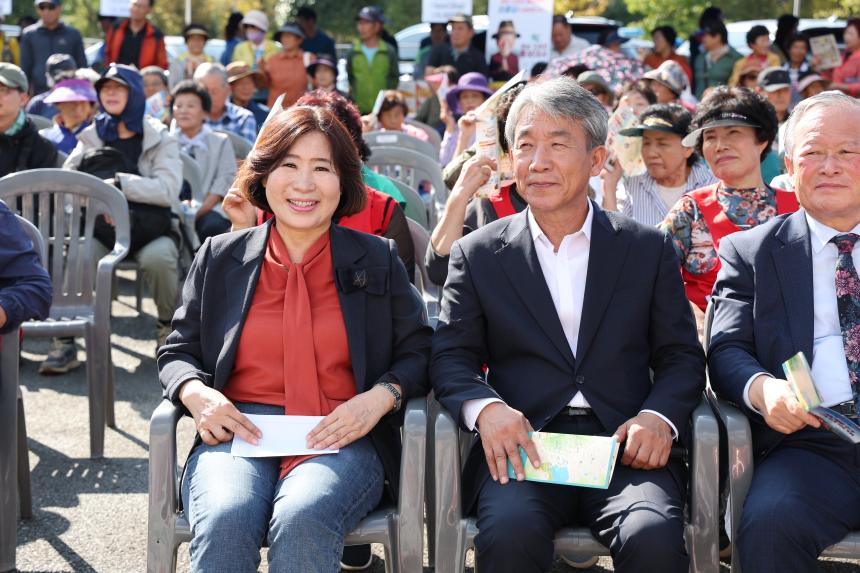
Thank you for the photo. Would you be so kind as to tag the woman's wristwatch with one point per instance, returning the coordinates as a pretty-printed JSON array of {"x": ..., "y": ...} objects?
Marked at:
[{"x": 398, "y": 399}]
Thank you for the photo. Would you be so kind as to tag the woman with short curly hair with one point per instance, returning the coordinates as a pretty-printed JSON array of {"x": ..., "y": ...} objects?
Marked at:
[{"x": 733, "y": 130}]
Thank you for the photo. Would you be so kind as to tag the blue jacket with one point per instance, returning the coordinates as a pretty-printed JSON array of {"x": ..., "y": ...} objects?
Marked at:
[{"x": 25, "y": 287}]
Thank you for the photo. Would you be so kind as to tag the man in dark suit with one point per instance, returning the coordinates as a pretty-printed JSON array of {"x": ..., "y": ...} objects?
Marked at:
[
  {"x": 571, "y": 308},
  {"x": 787, "y": 286}
]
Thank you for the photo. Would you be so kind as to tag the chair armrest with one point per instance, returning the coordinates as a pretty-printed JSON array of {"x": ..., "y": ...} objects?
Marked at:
[
  {"x": 448, "y": 510},
  {"x": 740, "y": 458},
  {"x": 410, "y": 509},
  {"x": 704, "y": 485},
  {"x": 104, "y": 276},
  {"x": 163, "y": 485}
]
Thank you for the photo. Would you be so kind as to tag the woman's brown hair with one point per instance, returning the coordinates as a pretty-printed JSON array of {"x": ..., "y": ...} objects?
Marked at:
[
  {"x": 281, "y": 133},
  {"x": 392, "y": 99}
]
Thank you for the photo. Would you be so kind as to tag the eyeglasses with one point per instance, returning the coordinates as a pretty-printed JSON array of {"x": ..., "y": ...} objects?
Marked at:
[{"x": 47, "y": 6}]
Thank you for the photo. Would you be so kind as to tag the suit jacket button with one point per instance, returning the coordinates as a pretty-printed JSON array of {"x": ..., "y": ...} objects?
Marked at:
[{"x": 580, "y": 380}]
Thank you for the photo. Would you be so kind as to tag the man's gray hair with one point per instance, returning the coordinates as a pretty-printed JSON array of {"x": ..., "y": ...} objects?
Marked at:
[
  {"x": 211, "y": 69},
  {"x": 824, "y": 99},
  {"x": 558, "y": 98}
]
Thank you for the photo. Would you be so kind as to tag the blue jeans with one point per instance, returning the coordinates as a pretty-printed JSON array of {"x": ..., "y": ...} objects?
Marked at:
[{"x": 233, "y": 504}]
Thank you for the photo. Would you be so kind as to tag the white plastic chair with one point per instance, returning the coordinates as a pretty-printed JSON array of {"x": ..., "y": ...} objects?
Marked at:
[
  {"x": 432, "y": 135},
  {"x": 241, "y": 146},
  {"x": 411, "y": 168},
  {"x": 416, "y": 208},
  {"x": 64, "y": 205},
  {"x": 400, "y": 140}
]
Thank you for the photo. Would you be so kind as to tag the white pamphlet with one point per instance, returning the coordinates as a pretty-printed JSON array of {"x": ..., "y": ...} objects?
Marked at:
[{"x": 282, "y": 436}]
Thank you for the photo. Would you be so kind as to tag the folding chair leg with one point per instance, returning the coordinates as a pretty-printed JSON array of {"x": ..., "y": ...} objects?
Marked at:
[
  {"x": 96, "y": 385},
  {"x": 160, "y": 556},
  {"x": 25, "y": 496},
  {"x": 138, "y": 291},
  {"x": 110, "y": 415}
]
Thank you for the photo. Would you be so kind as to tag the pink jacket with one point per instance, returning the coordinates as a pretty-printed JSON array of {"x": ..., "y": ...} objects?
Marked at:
[{"x": 849, "y": 73}]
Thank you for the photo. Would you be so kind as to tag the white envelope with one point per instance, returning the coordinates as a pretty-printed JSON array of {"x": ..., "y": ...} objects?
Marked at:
[{"x": 282, "y": 436}]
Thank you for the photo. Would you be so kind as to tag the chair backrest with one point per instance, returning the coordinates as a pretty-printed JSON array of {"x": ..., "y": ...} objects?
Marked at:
[
  {"x": 416, "y": 208},
  {"x": 63, "y": 205},
  {"x": 412, "y": 168},
  {"x": 39, "y": 121},
  {"x": 61, "y": 158},
  {"x": 241, "y": 146},
  {"x": 36, "y": 237},
  {"x": 191, "y": 173},
  {"x": 433, "y": 136},
  {"x": 400, "y": 140},
  {"x": 429, "y": 290}
]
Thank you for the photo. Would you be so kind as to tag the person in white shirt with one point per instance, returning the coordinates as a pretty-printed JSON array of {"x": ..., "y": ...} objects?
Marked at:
[
  {"x": 564, "y": 41},
  {"x": 788, "y": 286},
  {"x": 569, "y": 309}
]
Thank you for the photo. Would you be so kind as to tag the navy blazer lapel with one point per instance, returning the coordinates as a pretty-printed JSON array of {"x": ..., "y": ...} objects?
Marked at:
[
  {"x": 520, "y": 263},
  {"x": 792, "y": 257},
  {"x": 240, "y": 281},
  {"x": 606, "y": 258},
  {"x": 351, "y": 280}
]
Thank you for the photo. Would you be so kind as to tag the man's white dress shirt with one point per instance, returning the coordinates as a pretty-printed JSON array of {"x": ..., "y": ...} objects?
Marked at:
[{"x": 565, "y": 272}]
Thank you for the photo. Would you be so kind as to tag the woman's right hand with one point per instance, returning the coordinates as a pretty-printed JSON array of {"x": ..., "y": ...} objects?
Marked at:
[
  {"x": 240, "y": 211},
  {"x": 215, "y": 417},
  {"x": 476, "y": 171},
  {"x": 467, "y": 123}
]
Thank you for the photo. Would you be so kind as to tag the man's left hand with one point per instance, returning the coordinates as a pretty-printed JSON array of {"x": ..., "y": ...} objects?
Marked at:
[{"x": 649, "y": 441}]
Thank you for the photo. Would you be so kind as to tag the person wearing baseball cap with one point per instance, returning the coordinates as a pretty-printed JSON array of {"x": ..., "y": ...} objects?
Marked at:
[
  {"x": 76, "y": 101},
  {"x": 734, "y": 129},
  {"x": 372, "y": 63},
  {"x": 458, "y": 56},
  {"x": 671, "y": 168},
  {"x": 58, "y": 67},
  {"x": 811, "y": 84},
  {"x": 182, "y": 68},
  {"x": 775, "y": 84},
  {"x": 21, "y": 146},
  {"x": 244, "y": 82},
  {"x": 255, "y": 24},
  {"x": 284, "y": 70}
]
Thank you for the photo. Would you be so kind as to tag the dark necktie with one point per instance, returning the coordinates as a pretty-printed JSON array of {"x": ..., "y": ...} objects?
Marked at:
[{"x": 848, "y": 303}]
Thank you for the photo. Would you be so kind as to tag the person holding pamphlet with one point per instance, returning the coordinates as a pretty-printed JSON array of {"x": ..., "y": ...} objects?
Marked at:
[
  {"x": 790, "y": 286},
  {"x": 299, "y": 317},
  {"x": 569, "y": 321}
]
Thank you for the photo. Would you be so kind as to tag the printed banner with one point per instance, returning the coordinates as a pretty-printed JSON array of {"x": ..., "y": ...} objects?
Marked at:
[
  {"x": 117, "y": 8},
  {"x": 518, "y": 36},
  {"x": 437, "y": 11}
]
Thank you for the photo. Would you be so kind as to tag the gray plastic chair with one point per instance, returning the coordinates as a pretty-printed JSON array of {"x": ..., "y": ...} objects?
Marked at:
[
  {"x": 64, "y": 205},
  {"x": 432, "y": 135},
  {"x": 412, "y": 168},
  {"x": 400, "y": 140},
  {"x": 416, "y": 208},
  {"x": 455, "y": 532},
  {"x": 40, "y": 122},
  {"x": 241, "y": 146},
  {"x": 191, "y": 173},
  {"x": 61, "y": 159},
  {"x": 14, "y": 458},
  {"x": 430, "y": 292},
  {"x": 399, "y": 529},
  {"x": 740, "y": 470}
]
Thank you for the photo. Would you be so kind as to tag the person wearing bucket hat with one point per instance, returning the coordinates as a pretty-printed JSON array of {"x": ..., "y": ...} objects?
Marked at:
[
  {"x": 671, "y": 168},
  {"x": 21, "y": 146},
  {"x": 372, "y": 63},
  {"x": 182, "y": 68},
  {"x": 733, "y": 130},
  {"x": 812, "y": 84},
  {"x": 504, "y": 64},
  {"x": 323, "y": 74},
  {"x": 58, "y": 67},
  {"x": 285, "y": 70},
  {"x": 244, "y": 82},
  {"x": 136, "y": 41},
  {"x": 256, "y": 46},
  {"x": 458, "y": 56},
  {"x": 469, "y": 93},
  {"x": 75, "y": 101},
  {"x": 599, "y": 88},
  {"x": 667, "y": 82}
]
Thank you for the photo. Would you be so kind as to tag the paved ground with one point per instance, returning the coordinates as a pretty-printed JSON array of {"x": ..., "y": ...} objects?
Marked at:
[{"x": 91, "y": 515}]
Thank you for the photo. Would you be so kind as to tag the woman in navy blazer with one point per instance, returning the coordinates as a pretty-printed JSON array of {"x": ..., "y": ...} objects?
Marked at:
[{"x": 305, "y": 169}]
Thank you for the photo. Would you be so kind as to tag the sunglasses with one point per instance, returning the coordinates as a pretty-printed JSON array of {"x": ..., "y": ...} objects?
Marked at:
[{"x": 47, "y": 6}]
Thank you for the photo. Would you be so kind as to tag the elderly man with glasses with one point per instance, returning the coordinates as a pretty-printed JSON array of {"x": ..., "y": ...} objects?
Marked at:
[{"x": 48, "y": 36}]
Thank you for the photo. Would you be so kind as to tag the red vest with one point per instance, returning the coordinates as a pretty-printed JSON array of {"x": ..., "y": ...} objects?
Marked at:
[
  {"x": 373, "y": 219},
  {"x": 502, "y": 204},
  {"x": 699, "y": 287}
]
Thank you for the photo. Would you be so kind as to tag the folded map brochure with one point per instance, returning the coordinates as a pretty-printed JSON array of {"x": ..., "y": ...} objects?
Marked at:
[
  {"x": 799, "y": 376},
  {"x": 571, "y": 459}
]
